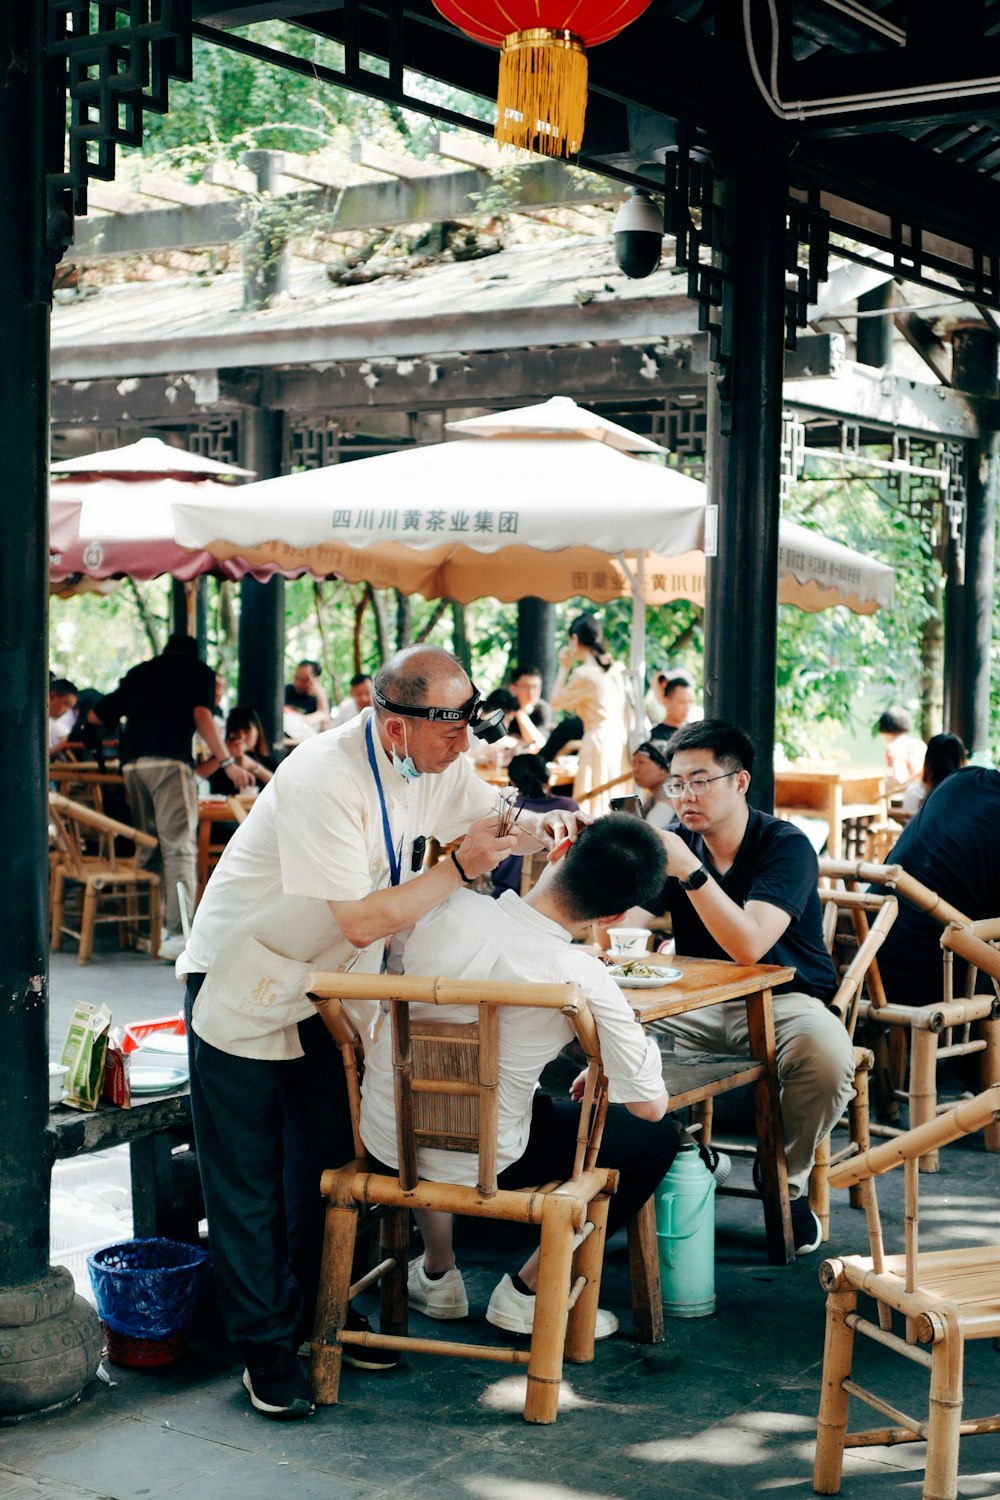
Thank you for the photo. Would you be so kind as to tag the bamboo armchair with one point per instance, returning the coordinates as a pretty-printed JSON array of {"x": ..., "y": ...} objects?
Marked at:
[
  {"x": 860, "y": 973},
  {"x": 446, "y": 1096},
  {"x": 944, "y": 1296},
  {"x": 952, "y": 1027},
  {"x": 99, "y": 880}
]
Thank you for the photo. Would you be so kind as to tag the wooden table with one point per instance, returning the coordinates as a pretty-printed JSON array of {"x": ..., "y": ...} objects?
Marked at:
[
  {"x": 211, "y": 811},
  {"x": 711, "y": 981},
  {"x": 835, "y": 793}
]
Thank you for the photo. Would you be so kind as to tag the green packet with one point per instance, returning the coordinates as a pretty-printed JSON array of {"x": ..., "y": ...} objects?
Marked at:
[{"x": 85, "y": 1052}]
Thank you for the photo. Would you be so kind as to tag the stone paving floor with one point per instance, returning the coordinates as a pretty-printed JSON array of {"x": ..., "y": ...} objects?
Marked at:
[{"x": 724, "y": 1409}]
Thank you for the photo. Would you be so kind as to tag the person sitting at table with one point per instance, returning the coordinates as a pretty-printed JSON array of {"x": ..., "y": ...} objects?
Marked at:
[
  {"x": 904, "y": 753},
  {"x": 518, "y": 723},
  {"x": 305, "y": 697},
  {"x": 526, "y": 685},
  {"x": 529, "y": 774},
  {"x": 650, "y": 769},
  {"x": 359, "y": 696},
  {"x": 946, "y": 754},
  {"x": 673, "y": 689},
  {"x": 62, "y": 702},
  {"x": 615, "y": 862},
  {"x": 246, "y": 742},
  {"x": 743, "y": 885}
]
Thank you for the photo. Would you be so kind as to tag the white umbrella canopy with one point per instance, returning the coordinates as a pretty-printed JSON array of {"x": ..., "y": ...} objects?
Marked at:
[{"x": 148, "y": 458}]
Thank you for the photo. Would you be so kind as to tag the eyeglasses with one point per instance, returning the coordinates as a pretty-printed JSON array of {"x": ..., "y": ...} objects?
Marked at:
[{"x": 697, "y": 786}]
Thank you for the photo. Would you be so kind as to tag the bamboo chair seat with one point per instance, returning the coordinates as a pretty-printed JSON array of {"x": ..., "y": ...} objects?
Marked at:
[
  {"x": 955, "y": 1026},
  {"x": 944, "y": 1297},
  {"x": 446, "y": 1078},
  {"x": 83, "y": 884}
]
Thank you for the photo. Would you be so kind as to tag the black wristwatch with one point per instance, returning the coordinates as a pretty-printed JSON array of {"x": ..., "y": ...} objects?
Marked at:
[{"x": 695, "y": 880}]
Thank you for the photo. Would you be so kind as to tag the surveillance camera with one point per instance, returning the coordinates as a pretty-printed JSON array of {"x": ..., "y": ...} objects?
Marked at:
[{"x": 638, "y": 234}]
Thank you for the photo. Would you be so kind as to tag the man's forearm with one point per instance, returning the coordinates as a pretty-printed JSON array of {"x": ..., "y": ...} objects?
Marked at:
[
  {"x": 205, "y": 723},
  {"x": 392, "y": 910}
]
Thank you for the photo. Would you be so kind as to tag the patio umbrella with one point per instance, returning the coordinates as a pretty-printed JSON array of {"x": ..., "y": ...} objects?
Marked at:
[{"x": 111, "y": 514}]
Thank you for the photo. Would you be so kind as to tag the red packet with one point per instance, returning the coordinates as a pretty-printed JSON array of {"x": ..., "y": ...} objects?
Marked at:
[{"x": 116, "y": 1077}]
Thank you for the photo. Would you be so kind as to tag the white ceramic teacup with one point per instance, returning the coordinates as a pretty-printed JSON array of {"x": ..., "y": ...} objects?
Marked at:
[
  {"x": 57, "y": 1075},
  {"x": 629, "y": 940}
]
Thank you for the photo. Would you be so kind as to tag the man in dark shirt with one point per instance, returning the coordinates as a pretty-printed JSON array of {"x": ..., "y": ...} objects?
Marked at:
[
  {"x": 953, "y": 846},
  {"x": 163, "y": 702},
  {"x": 743, "y": 885}
]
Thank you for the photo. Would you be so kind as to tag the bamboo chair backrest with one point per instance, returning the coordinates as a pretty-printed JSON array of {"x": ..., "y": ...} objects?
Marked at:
[
  {"x": 974, "y": 941},
  {"x": 446, "y": 1073},
  {"x": 606, "y": 786},
  {"x": 70, "y": 817},
  {"x": 862, "y": 971}
]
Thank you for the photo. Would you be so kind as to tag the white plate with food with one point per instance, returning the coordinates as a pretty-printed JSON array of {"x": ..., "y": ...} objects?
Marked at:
[{"x": 640, "y": 974}]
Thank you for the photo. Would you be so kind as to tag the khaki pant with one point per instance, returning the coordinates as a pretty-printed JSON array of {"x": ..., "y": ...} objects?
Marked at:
[
  {"x": 164, "y": 802},
  {"x": 815, "y": 1061}
]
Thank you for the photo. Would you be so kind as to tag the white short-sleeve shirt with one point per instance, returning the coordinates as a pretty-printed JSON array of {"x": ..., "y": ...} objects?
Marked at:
[
  {"x": 474, "y": 937},
  {"x": 314, "y": 835}
]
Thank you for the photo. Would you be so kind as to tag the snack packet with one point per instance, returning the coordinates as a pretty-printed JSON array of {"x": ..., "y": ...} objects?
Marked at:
[
  {"x": 84, "y": 1053},
  {"x": 116, "y": 1088}
]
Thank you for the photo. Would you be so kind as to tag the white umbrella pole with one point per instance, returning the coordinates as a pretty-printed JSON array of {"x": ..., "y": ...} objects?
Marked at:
[{"x": 637, "y": 652}]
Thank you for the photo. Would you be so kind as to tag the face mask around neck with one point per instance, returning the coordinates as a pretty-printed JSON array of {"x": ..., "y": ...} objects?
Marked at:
[{"x": 403, "y": 765}]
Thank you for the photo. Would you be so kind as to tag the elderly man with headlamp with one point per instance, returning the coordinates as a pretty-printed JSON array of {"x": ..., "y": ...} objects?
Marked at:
[{"x": 326, "y": 871}]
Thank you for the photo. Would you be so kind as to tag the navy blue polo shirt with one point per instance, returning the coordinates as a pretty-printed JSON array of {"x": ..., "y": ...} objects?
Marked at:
[{"x": 775, "y": 863}]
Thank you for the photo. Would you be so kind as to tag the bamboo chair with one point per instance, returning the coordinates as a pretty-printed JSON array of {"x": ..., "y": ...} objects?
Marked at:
[
  {"x": 952, "y": 1027},
  {"x": 944, "y": 1296},
  {"x": 606, "y": 786},
  {"x": 860, "y": 973},
  {"x": 446, "y": 1081},
  {"x": 99, "y": 880}
]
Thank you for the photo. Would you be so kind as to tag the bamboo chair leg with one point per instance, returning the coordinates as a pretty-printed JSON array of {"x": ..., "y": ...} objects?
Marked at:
[
  {"x": 989, "y": 1072},
  {"x": 394, "y": 1240},
  {"x": 644, "y": 1276},
  {"x": 923, "y": 1086},
  {"x": 899, "y": 1048},
  {"x": 882, "y": 1042},
  {"x": 155, "y": 918},
  {"x": 548, "y": 1334},
  {"x": 332, "y": 1302},
  {"x": 859, "y": 1116},
  {"x": 701, "y": 1114},
  {"x": 838, "y": 1351},
  {"x": 58, "y": 906},
  {"x": 589, "y": 1262},
  {"x": 943, "y": 1428},
  {"x": 87, "y": 925},
  {"x": 819, "y": 1186}
]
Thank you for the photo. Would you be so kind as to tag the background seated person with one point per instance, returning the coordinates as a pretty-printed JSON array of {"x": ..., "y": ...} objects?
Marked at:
[
  {"x": 743, "y": 885},
  {"x": 945, "y": 754},
  {"x": 904, "y": 753},
  {"x": 246, "y": 743},
  {"x": 305, "y": 696},
  {"x": 952, "y": 846},
  {"x": 529, "y": 774},
  {"x": 673, "y": 689},
  {"x": 62, "y": 702},
  {"x": 526, "y": 685},
  {"x": 359, "y": 696},
  {"x": 650, "y": 769},
  {"x": 615, "y": 863}
]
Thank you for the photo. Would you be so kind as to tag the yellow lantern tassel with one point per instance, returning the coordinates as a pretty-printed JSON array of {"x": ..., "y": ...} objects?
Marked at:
[{"x": 542, "y": 94}]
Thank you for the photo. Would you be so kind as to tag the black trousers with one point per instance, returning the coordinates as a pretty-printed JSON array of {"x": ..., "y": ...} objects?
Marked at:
[
  {"x": 265, "y": 1132},
  {"x": 641, "y": 1150}
]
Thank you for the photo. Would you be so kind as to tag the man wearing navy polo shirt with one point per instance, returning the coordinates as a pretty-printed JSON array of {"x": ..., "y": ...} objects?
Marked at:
[{"x": 743, "y": 885}]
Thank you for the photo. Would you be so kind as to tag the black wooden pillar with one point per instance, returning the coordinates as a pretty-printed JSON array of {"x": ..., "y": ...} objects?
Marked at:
[
  {"x": 874, "y": 338},
  {"x": 262, "y": 605},
  {"x": 744, "y": 452},
  {"x": 49, "y": 1348},
  {"x": 536, "y": 638},
  {"x": 969, "y": 591}
]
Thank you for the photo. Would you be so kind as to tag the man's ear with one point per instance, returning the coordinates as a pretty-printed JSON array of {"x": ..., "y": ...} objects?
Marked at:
[{"x": 618, "y": 918}]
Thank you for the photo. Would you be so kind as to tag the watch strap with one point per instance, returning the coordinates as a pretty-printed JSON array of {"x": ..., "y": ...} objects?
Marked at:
[{"x": 695, "y": 880}]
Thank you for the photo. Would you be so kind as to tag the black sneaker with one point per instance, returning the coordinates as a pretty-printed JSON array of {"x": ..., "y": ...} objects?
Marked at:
[
  {"x": 277, "y": 1384},
  {"x": 364, "y": 1356},
  {"x": 807, "y": 1231}
]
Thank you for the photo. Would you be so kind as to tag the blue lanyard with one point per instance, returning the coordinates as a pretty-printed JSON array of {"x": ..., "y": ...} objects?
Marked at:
[{"x": 395, "y": 855}]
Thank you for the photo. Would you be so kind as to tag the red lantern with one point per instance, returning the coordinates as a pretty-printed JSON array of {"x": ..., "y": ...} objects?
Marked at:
[{"x": 542, "y": 94}]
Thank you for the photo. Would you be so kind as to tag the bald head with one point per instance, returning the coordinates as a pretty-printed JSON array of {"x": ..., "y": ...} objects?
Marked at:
[{"x": 418, "y": 675}]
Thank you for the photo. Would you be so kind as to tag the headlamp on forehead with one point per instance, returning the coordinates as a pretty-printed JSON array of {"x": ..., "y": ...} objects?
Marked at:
[{"x": 485, "y": 726}]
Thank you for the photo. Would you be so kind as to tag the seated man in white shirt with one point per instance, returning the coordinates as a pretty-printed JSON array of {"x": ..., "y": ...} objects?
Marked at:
[{"x": 616, "y": 863}]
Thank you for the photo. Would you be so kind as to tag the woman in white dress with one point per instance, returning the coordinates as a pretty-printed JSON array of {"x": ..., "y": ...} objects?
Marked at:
[{"x": 593, "y": 686}]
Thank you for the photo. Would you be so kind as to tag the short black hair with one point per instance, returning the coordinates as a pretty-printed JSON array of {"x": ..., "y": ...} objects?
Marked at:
[
  {"x": 674, "y": 677},
  {"x": 946, "y": 754},
  {"x": 654, "y": 752},
  {"x": 529, "y": 774},
  {"x": 501, "y": 698},
  {"x": 731, "y": 746},
  {"x": 60, "y": 686},
  {"x": 618, "y": 861},
  {"x": 181, "y": 644},
  {"x": 528, "y": 671},
  {"x": 894, "y": 721},
  {"x": 313, "y": 666},
  {"x": 359, "y": 678}
]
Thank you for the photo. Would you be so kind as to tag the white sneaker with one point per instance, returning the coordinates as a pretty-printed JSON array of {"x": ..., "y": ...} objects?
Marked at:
[
  {"x": 515, "y": 1311},
  {"x": 172, "y": 947},
  {"x": 443, "y": 1297}
]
